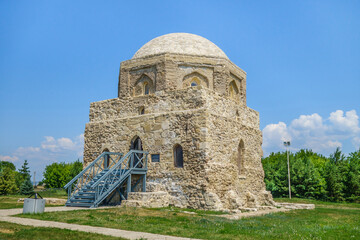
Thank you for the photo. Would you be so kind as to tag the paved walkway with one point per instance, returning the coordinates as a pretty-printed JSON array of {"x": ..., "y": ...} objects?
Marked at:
[{"x": 5, "y": 215}]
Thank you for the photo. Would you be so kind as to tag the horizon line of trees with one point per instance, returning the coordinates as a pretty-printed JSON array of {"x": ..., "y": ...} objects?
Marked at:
[
  {"x": 56, "y": 175},
  {"x": 314, "y": 176}
]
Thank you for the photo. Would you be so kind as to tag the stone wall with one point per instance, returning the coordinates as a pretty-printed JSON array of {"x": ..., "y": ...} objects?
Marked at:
[
  {"x": 206, "y": 124},
  {"x": 167, "y": 72}
]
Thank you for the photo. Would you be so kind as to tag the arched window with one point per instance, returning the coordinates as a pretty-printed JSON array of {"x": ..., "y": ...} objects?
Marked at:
[
  {"x": 240, "y": 157},
  {"x": 178, "y": 156},
  {"x": 195, "y": 79},
  {"x": 233, "y": 90},
  {"x": 142, "y": 110},
  {"x": 146, "y": 88},
  {"x": 106, "y": 159},
  {"x": 143, "y": 86}
]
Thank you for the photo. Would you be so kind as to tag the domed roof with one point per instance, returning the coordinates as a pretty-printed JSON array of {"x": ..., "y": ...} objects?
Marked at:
[{"x": 180, "y": 43}]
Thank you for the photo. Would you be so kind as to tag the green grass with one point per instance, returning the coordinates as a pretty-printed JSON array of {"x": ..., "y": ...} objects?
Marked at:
[
  {"x": 54, "y": 193},
  {"x": 11, "y": 201},
  {"x": 329, "y": 221},
  {"x": 14, "y": 231}
]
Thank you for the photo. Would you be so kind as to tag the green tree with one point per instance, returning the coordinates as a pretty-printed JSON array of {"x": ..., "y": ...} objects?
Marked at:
[
  {"x": 275, "y": 168},
  {"x": 352, "y": 185},
  {"x": 7, "y": 179},
  {"x": 333, "y": 173},
  {"x": 23, "y": 174},
  {"x": 26, "y": 187},
  {"x": 75, "y": 169},
  {"x": 305, "y": 179},
  {"x": 56, "y": 175},
  {"x": 5, "y": 164}
]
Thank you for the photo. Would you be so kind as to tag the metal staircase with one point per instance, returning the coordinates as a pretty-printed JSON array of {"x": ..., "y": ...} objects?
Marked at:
[{"x": 105, "y": 176}]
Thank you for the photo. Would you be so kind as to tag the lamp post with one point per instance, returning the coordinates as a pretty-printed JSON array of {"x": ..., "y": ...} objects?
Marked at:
[{"x": 287, "y": 144}]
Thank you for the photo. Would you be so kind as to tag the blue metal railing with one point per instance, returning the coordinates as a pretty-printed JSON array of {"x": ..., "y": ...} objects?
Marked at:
[
  {"x": 133, "y": 160},
  {"x": 106, "y": 173},
  {"x": 101, "y": 163}
]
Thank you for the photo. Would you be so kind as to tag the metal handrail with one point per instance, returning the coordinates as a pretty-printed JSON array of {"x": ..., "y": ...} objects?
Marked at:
[
  {"x": 101, "y": 179},
  {"x": 88, "y": 167},
  {"x": 117, "y": 165}
]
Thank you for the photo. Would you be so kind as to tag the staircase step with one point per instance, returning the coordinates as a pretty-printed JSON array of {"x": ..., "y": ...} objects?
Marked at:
[
  {"x": 81, "y": 200},
  {"x": 84, "y": 197},
  {"x": 78, "y": 204}
]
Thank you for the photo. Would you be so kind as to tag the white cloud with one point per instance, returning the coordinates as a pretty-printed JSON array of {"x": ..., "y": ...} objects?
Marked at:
[
  {"x": 347, "y": 123},
  {"x": 314, "y": 132},
  {"x": 311, "y": 122},
  {"x": 275, "y": 135},
  {"x": 8, "y": 158},
  {"x": 57, "y": 145},
  {"x": 50, "y": 150}
]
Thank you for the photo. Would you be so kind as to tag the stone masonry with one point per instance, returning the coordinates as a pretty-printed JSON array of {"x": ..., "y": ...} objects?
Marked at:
[{"x": 182, "y": 90}]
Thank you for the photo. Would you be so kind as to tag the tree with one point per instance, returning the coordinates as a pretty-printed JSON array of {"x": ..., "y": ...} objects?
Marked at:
[
  {"x": 5, "y": 164},
  {"x": 76, "y": 168},
  {"x": 334, "y": 176},
  {"x": 24, "y": 170},
  {"x": 352, "y": 190},
  {"x": 26, "y": 187},
  {"x": 56, "y": 175},
  {"x": 23, "y": 174},
  {"x": 7, "y": 179}
]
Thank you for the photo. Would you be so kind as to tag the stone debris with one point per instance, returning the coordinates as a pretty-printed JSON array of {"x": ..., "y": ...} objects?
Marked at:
[{"x": 54, "y": 201}]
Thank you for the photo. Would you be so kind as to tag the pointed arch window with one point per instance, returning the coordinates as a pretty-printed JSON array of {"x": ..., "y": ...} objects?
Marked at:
[
  {"x": 233, "y": 90},
  {"x": 240, "y": 157},
  {"x": 146, "y": 88},
  {"x": 178, "y": 156}
]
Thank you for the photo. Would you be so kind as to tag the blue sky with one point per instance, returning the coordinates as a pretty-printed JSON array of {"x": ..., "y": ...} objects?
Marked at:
[{"x": 302, "y": 60}]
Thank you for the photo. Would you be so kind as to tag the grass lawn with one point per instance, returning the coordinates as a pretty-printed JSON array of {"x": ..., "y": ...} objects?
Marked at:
[
  {"x": 327, "y": 221},
  {"x": 14, "y": 231},
  {"x": 11, "y": 201}
]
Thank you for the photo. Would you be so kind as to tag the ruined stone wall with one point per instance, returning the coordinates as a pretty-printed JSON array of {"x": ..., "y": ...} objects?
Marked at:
[
  {"x": 205, "y": 120},
  {"x": 174, "y": 118}
]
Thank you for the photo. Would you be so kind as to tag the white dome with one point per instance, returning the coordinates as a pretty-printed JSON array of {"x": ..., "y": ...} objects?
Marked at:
[{"x": 180, "y": 43}]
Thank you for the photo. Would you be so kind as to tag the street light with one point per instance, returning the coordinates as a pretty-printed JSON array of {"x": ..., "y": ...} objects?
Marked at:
[{"x": 287, "y": 144}]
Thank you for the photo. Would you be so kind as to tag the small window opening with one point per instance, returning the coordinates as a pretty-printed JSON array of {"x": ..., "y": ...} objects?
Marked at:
[
  {"x": 142, "y": 110},
  {"x": 240, "y": 157},
  {"x": 193, "y": 84},
  {"x": 146, "y": 89},
  {"x": 178, "y": 156}
]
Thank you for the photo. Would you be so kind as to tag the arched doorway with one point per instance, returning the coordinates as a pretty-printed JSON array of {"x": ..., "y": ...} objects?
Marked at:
[
  {"x": 106, "y": 159},
  {"x": 136, "y": 144}
]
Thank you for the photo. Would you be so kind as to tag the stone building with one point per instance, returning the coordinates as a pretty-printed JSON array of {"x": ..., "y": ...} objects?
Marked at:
[{"x": 181, "y": 99}]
